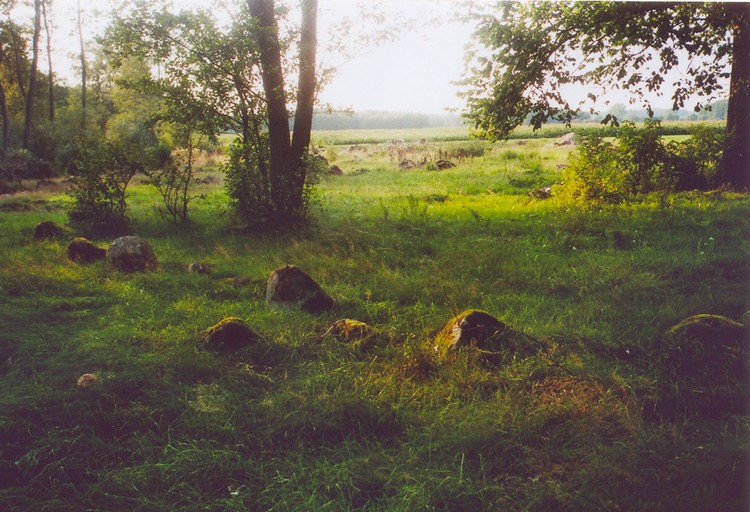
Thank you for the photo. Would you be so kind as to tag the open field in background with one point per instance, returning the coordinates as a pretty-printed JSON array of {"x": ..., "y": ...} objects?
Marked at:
[{"x": 592, "y": 420}]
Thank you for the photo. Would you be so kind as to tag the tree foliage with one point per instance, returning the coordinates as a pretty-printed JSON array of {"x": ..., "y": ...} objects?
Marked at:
[{"x": 533, "y": 53}]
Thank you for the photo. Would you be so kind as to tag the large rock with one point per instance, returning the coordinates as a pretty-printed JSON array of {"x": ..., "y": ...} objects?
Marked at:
[
  {"x": 131, "y": 254},
  {"x": 472, "y": 328},
  {"x": 80, "y": 250},
  {"x": 289, "y": 286},
  {"x": 230, "y": 334}
]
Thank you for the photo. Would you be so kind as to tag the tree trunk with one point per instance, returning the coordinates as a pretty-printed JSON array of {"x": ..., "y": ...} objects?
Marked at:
[
  {"x": 51, "y": 91},
  {"x": 734, "y": 169},
  {"x": 287, "y": 155},
  {"x": 5, "y": 144},
  {"x": 83, "y": 67},
  {"x": 6, "y": 123},
  {"x": 305, "y": 95},
  {"x": 278, "y": 116},
  {"x": 29, "y": 120}
]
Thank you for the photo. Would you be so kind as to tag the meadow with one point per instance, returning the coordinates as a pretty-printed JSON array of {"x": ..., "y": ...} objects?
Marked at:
[{"x": 589, "y": 419}]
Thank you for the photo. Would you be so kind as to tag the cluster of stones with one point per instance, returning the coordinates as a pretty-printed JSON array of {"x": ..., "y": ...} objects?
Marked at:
[{"x": 702, "y": 351}]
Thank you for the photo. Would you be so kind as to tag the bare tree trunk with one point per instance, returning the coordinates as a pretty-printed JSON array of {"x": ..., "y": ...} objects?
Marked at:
[
  {"x": 83, "y": 67},
  {"x": 287, "y": 156},
  {"x": 48, "y": 33},
  {"x": 305, "y": 94},
  {"x": 29, "y": 121},
  {"x": 6, "y": 123},
  {"x": 5, "y": 144},
  {"x": 735, "y": 165},
  {"x": 278, "y": 115}
]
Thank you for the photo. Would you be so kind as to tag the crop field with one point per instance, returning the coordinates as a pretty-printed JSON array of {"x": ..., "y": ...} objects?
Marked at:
[{"x": 587, "y": 409}]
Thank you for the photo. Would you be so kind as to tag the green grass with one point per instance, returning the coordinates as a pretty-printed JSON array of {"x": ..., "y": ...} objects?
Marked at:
[{"x": 303, "y": 422}]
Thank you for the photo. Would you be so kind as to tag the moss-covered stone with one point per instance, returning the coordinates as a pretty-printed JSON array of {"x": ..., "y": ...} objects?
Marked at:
[
  {"x": 131, "y": 254},
  {"x": 707, "y": 350},
  {"x": 355, "y": 332},
  {"x": 230, "y": 334},
  {"x": 81, "y": 250},
  {"x": 48, "y": 230}
]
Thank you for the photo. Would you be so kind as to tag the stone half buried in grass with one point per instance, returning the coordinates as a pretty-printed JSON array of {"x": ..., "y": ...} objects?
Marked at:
[
  {"x": 230, "y": 334},
  {"x": 354, "y": 332},
  {"x": 48, "y": 230},
  {"x": 289, "y": 286},
  {"x": 706, "y": 367},
  {"x": 708, "y": 349},
  {"x": 196, "y": 267},
  {"x": 131, "y": 254},
  {"x": 87, "y": 380},
  {"x": 81, "y": 250},
  {"x": 492, "y": 339}
]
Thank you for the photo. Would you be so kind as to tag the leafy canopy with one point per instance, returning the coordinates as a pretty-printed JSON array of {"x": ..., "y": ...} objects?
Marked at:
[{"x": 532, "y": 53}]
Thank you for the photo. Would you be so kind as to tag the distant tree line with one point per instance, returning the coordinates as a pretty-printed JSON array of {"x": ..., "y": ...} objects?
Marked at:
[{"x": 374, "y": 120}]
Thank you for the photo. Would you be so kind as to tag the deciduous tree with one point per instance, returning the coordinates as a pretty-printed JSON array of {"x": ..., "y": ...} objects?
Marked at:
[{"x": 532, "y": 52}]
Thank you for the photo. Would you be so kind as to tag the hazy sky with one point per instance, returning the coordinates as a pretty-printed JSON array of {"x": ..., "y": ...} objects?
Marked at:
[{"x": 411, "y": 73}]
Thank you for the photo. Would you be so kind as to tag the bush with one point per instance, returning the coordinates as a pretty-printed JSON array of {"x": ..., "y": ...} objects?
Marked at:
[
  {"x": 247, "y": 183},
  {"x": 22, "y": 165},
  {"x": 592, "y": 173},
  {"x": 99, "y": 175},
  {"x": 640, "y": 163}
]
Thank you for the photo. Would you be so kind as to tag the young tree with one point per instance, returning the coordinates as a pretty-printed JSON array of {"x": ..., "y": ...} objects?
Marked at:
[
  {"x": 240, "y": 77},
  {"x": 534, "y": 51}
]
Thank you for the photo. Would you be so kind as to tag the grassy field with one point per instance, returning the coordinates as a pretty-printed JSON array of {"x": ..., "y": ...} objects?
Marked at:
[{"x": 591, "y": 418}]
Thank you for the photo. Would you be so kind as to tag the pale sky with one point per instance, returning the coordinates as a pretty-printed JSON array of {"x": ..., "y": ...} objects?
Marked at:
[{"x": 411, "y": 73}]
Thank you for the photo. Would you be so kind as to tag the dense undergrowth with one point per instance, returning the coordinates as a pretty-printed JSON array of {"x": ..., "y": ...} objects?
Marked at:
[{"x": 300, "y": 421}]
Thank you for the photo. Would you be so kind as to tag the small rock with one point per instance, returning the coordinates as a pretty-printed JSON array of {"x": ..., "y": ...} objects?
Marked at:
[
  {"x": 80, "y": 250},
  {"x": 47, "y": 229},
  {"x": 407, "y": 164},
  {"x": 335, "y": 170},
  {"x": 566, "y": 140},
  {"x": 444, "y": 164},
  {"x": 291, "y": 286},
  {"x": 230, "y": 334},
  {"x": 86, "y": 380},
  {"x": 541, "y": 193},
  {"x": 348, "y": 330},
  {"x": 199, "y": 268},
  {"x": 131, "y": 254}
]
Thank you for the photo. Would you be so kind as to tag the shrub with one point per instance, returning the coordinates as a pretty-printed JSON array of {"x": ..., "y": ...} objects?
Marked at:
[
  {"x": 592, "y": 173},
  {"x": 99, "y": 176},
  {"x": 247, "y": 182},
  {"x": 639, "y": 163}
]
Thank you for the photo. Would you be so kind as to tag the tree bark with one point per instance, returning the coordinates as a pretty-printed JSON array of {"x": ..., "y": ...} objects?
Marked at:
[
  {"x": 5, "y": 144},
  {"x": 83, "y": 66},
  {"x": 51, "y": 91},
  {"x": 734, "y": 169},
  {"x": 306, "y": 85},
  {"x": 29, "y": 120},
  {"x": 278, "y": 115}
]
